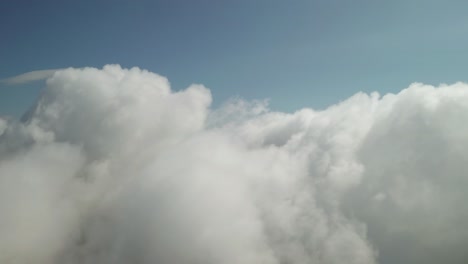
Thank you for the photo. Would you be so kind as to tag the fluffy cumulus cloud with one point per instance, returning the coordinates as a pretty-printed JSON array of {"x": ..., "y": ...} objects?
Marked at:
[{"x": 111, "y": 166}]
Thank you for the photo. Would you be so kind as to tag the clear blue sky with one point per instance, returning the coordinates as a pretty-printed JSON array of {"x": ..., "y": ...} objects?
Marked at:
[{"x": 297, "y": 53}]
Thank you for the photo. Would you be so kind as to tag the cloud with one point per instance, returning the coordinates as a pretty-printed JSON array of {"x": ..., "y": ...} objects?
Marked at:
[
  {"x": 111, "y": 166},
  {"x": 29, "y": 77}
]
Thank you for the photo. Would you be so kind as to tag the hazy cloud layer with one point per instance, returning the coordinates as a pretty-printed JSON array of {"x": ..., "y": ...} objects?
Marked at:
[{"x": 111, "y": 166}]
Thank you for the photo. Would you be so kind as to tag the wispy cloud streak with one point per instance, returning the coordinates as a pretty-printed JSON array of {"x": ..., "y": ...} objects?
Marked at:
[{"x": 28, "y": 77}]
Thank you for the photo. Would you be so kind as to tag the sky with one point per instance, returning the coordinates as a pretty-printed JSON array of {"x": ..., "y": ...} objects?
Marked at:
[
  {"x": 130, "y": 132},
  {"x": 295, "y": 53}
]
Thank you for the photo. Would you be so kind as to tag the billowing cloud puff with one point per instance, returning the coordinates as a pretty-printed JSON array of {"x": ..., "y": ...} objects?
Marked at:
[{"x": 111, "y": 166}]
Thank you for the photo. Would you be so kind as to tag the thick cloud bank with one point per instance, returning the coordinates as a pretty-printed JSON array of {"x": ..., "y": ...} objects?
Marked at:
[{"x": 111, "y": 166}]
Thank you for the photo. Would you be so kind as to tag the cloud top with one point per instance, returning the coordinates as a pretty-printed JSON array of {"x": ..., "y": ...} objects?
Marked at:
[{"x": 111, "y": 166}]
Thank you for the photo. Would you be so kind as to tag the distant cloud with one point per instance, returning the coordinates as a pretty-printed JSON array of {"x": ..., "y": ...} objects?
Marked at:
[{"x": 29, "y": 77}]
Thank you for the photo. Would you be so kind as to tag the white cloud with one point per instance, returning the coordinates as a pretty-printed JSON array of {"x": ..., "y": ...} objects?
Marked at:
[
  {"x": 29, "y": 77},
  {"x": 114, "y": 167}
]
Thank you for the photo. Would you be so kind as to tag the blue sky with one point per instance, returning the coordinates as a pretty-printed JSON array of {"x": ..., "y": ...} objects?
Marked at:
[{"x": 297, "y": 53}]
